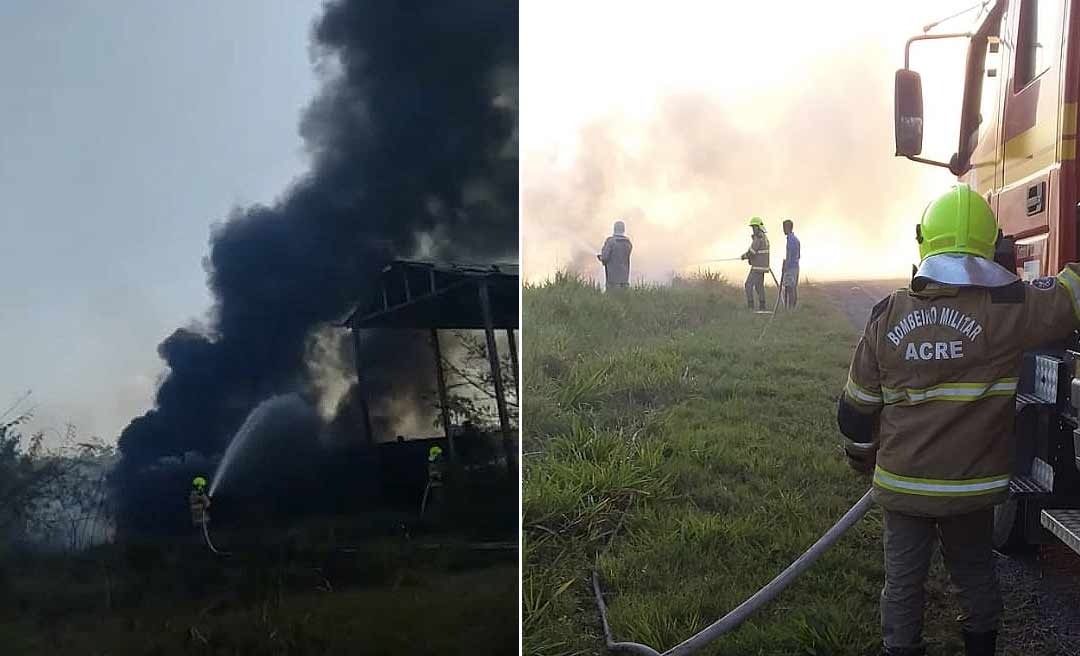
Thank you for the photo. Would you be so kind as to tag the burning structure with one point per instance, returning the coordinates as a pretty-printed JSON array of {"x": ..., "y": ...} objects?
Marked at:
[
  {"x": 429, "y": 297},
  {"x": 413, "y": 147},
  {"x": 432, "y": 297}
]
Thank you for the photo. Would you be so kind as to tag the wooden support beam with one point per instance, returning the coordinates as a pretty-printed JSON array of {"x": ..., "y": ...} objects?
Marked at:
[
  {"x": 512, "y": 343},
  {"x": 444, "y": 407},
  {"x": 496, "y": 375}
]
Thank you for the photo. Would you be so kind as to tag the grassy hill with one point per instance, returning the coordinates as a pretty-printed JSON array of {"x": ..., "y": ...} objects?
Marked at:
[
  {"x": 692, "y": 460},
  {"x": 431, "y": 595}
]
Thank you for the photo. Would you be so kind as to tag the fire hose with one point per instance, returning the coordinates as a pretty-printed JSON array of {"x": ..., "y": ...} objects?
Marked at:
[
  {"x": 206, "y": 535},
  {"x": 722, "y": 259},
  {"x": 743, "y": 611},
  {"x": 423, "y": 500},
  {"x": 776, "y": 308}
]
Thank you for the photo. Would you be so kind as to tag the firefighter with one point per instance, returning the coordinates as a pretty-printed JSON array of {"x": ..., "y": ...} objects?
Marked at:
[
  {"x": 928, "y": 408},
  {"x": 615, "y": 256},
  {"x": 200, "y": 502},
  {"x": 433, "y": 489},
  {"x": 435, "y": 466},
  {"x": 758, "y": 256},
  {"x": 789, "y": 273}
]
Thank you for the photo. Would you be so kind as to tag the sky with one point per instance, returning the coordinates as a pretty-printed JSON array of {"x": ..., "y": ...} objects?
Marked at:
[
  {"x": 128, "y": 128},
  {"x": 687, "y": 118}
]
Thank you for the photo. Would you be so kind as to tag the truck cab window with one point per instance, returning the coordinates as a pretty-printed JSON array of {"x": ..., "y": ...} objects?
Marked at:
[
  {"x": 989, "y": 97},
  {"x": 982, "y": 88},
  {"x": 989, "y": 93},
  {"x": 1037, "y": 39}
]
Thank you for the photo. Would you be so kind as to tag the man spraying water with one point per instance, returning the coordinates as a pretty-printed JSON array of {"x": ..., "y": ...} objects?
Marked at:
[
  {"x": 433, "y": 489},
  {"x": 615, "y": 256},
  {"x": 758, "y": 257},
  {"x": 199, "y": 502}
]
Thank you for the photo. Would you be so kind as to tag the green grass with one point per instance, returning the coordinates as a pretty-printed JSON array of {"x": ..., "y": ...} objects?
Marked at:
[
  {"x": 692, "y": 462},
  {"x": 427, "y": 596},
  {"x": 461, "y": 613}
]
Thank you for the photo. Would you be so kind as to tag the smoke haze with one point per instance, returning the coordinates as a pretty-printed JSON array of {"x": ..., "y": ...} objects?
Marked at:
[
  {"x": 413, "y": 143},
  {"x": 686, "y": 136}
]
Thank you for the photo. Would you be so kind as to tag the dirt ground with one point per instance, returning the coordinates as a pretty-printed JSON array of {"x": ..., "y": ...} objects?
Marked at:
[{"x": 1042, "y": 589}]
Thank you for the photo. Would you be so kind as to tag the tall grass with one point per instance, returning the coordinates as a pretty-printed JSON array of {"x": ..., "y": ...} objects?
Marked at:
[
  {"x": 661, "y": 415},
  {"x": 428, "y": 595},
  {"x": 439, "y": 613}
]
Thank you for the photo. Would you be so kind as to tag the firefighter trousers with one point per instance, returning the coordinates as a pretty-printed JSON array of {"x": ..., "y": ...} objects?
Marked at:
[
  {"x": 967, "y": 550},
  {"x": 755, "y": 283}
]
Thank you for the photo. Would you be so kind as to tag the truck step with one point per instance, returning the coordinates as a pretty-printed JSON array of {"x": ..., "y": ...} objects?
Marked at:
[
  {"x": 1065, "y": 524},
  {"x": 1022, "y": 486},
  {"x": 1024, "y": 399}
]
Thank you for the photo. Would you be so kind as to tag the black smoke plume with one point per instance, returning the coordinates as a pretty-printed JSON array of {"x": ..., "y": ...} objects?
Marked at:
[{"x": 413, "y": 148}]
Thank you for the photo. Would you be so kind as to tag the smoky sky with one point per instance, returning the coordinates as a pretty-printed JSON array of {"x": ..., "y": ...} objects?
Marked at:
[
  {"x": 688, "y": 174},
  {"x": 413, "y": 143}
]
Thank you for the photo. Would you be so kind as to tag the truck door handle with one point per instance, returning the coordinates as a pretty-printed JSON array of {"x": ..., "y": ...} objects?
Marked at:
[{"x": 1036, "y": 198}]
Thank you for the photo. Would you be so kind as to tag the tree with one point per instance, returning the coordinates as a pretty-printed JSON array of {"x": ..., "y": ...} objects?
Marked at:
[
  {"x": 56, "y": 496},
  {"x": 25, "y": 476},
  {"x": 73, "y": 512},
  {"x": 470, "y": 385}
]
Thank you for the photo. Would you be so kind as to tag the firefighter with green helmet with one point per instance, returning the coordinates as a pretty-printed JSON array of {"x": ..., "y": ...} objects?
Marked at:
[
  {"x": 435, "y": 466},
  {"x": 433, "y": 489},
  {"x": 199, "y": 502},
  {"x": 758, "y": 257},
  {"x": 928, "y": 410}
]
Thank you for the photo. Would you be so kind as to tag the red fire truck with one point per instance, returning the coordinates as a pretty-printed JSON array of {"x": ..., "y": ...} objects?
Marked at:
[{"x": 1017, "y": 146}]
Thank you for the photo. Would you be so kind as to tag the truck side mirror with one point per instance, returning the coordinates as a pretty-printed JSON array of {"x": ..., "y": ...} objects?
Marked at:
[{"x": 908, "y": 126}]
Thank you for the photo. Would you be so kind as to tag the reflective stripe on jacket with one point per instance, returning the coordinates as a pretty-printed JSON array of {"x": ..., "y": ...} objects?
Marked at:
[
  {"x": 759, "y": 252},
  {"x": 939, "y": 368}
]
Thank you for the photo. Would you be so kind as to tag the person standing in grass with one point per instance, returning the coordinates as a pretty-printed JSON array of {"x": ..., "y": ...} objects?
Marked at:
[
  {"x": 615, "y": 256},
  {"x": 199, "y": 502},
  {"x": 758, "y": 257},
  {"x": 789, "y": 274},
  {"x": 928, "y": 409}
]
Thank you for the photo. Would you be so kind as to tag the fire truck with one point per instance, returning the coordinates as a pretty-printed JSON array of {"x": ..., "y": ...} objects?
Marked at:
[{"x": 1017, "y": 147}]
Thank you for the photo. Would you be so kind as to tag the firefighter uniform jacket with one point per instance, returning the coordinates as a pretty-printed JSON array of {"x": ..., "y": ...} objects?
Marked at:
[
  {"x": 933, "y": 381},
  {"x": 435, "y": 473},
  {"x": 759, "y": 252},
  {"x": 200, "y": 505}
]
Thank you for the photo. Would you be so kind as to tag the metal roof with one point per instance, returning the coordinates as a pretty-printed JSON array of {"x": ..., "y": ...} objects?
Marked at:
[{"x": 414, "y": 294}]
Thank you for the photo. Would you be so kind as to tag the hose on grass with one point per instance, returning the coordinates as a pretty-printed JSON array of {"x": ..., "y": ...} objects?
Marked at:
[
  {"x": 612, "y": 645},
  {"x": 206, "y": 534},
  {"x": 423, "y": 500},
  {"x": 609, "y": 641},
  {"x": 746, "y": 608},
  {"x": 776, "y": 308}
]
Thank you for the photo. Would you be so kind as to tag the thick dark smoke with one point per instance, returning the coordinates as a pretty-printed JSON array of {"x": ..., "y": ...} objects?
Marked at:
[{"x": 413, "y": 143}]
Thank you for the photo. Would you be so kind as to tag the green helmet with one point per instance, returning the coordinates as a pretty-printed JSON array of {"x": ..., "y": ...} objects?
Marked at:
[
  {"x": 757, "y": 222},
  {"x": 959, "y": 221},
  {"x": 199, "y": 482},
  {"x": 434, "y": 453}
]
